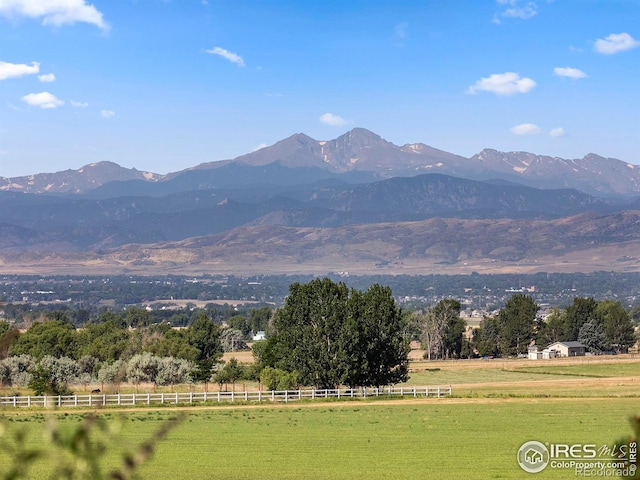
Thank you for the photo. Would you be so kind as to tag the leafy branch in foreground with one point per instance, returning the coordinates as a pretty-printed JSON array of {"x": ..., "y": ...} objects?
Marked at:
[
  {"x": 19, "y": 452},
  {"x": 77, "y": 453}
]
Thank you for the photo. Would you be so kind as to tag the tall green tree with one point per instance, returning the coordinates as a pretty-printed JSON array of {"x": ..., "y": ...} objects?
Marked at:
[
  {"x": 592, "y": 336},
  {"x": 581, "y": 311},
  {"x": 204, "y": 336},
  {"x": 517, "y": 323},
  {"x": 308, "y": 331},
  {"x": 330, "y": 336},
  {"x": 616, "y": 324},
  {"x": 453, "y": 340},
  {"x": 486, "y": 339},
  {"x": 374, "y": 340}
]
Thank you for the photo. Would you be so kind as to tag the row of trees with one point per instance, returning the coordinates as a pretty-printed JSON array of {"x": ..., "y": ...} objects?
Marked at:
[
  {"x": 112, "y": 338},
  {"x": 325, "y": 335},
  {"x": 601, "y": 326}
]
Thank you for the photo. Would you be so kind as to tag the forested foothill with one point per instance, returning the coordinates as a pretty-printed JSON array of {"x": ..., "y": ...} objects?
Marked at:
[{"x": 325, "y": 334}]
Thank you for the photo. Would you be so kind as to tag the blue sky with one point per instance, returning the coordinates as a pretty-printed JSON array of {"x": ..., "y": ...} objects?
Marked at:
[{"x": 166, "y": 85}]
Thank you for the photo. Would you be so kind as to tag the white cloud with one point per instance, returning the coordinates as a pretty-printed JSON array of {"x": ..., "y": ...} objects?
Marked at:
[
  {"x": 107, "y": 113},
  {"x": 525, "y": 129},
  {"x": 508, "y": 83},
  {"x": 516, "y": 9},
  {"x": 54, "y": 12},
  {"x": 525, "y": 13},
  {"x": 570, "y": 72},
  {"x": 47, "y": 78},
  {"x": 12, "y": 70},
  {"x": 78, "y": 104},
  {"x": 557, "y": 132},
  {"x": 226, "y": 54},
  {"x": 333, "y": 120},
  {"x": 614, "y": 43},
  {"x": 42, "y": 100}
]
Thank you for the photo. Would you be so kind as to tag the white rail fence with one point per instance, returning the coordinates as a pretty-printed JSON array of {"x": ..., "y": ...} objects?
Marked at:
[{"x": 132, "y": 399}]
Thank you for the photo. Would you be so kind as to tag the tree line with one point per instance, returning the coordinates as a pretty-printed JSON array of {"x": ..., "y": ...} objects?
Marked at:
[
  {"x": 325, "y": 336},
  {"x": 602, "y": 326}
]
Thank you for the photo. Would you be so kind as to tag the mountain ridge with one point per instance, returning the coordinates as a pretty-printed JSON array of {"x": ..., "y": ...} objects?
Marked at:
[
  {"x": 365, "y": 156},
  {"x": 355, "y": 203}
]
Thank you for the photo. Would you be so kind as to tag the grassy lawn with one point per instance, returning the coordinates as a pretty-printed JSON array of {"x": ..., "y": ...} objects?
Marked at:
[
  {"x": 587, "y": 369},
  {"x": 444, "y": 439}
]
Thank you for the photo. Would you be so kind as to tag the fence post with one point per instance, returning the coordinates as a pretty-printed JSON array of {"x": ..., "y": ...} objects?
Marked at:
[{"x": 438, "y": 392}]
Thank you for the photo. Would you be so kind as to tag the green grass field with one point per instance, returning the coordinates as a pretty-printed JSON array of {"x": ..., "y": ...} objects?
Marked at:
[
  {"x": 440, "y": 439},
  {"x": 475, "y": 435}
]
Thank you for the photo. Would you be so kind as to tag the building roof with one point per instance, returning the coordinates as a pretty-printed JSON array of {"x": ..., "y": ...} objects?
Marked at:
[{"x": 569, "y": 344}]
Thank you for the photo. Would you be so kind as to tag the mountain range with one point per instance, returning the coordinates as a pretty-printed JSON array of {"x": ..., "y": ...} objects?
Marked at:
[{"x": 356, "y": 203}]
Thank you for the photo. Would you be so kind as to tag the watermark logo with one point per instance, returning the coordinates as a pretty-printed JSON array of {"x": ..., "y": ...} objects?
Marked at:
[
  {"x": 533, "y": 457},
  {"x": 584, "y": 459}
]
